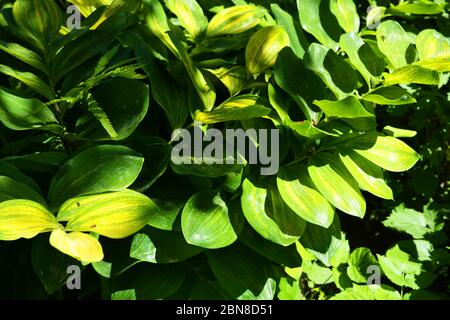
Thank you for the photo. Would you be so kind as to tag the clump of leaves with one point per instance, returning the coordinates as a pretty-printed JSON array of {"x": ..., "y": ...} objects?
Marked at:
[{"x": 87, "y": 117}]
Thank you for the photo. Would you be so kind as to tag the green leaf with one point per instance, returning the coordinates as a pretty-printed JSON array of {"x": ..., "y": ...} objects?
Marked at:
[
  {"x": 236, "y": 108},
  {"x": 358, "y": 263},
  {"x": 29, "y": 79},
  {"x": 393, "y": 96},
  {"x": 424, "y": 7},
  {"x": 317, "y": 273},
  {"x": 408, "y": 220},
  {"x": 202, "y": 84},
  {"x": 170, "y": 96},
  {"x": 23, "y": 54},
  {"x": 368, "y": 292},
  {"x": 412, "y": 74},
  {"x": 78, "y": 51},
  {"x": 267, "y": 213},
  {"x": 311, "y": 20},
  {"x": 24, "y": 219},
  {"x": 336, "y": 184},
  {"x": 394, "y": 42},
  {"x": 263, "y": 48},
  {"x": 267, "y": 293},
  {"x": 285, "y": 20},
  {"x": 335, "y": 72},
  {"x": 399, "y": 267},
  {"x": 39, "y": 162},
  {"x": 235, "y": 20},
  {"x": 205, "y": 221},
  {"x": 288, "y": 291},
  {"x": 297, "y": 190},
  {"x": 422, "y": 250},
  {"x": 11, "y": 171},
  {"x": 124, "y": 102},
  {"x": 191, "y": 17},
  {"x": 114, "y": 215},
  {"x": 362, "y": 57},
  {"x": 104, "y": 168},
  {"x": 40, "y": 20},
  {"x": 19, "y": 113},
  {"x": 11, "y": 189},
  {"x": 399, "y": 133},
  {"x": 349, "y": 108},
  {"x": 239, "y": 269},
  {"x": 387, "y": 152},
  {"x": 156, "y": 246},
  {"x": 80, "y": 246},
  {"x": 290, "y": 75},
  {"x": 328, "y": 245},
  {"x": 346, "y": 14},
  {"x": 368, "y": 175}
]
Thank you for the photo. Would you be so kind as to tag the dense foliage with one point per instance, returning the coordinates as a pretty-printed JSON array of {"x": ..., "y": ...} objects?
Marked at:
[{"x": 88, "y": 120}]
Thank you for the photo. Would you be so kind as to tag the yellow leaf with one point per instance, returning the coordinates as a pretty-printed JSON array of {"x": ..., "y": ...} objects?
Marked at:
[
  {"x": 114, "y": 215},
  {"x": 80, "y": 246},
  {"x": 24, "y": 219}
]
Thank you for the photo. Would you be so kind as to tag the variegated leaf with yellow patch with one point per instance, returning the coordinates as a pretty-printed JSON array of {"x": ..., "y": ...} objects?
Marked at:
[
  {"x": 24, "y": 219},
  {"x": 336, "y": 184},
  {"x": 235, "y": 20},
  {"x": 237, "y": 108},
  {"x": 263, "y": 48},
  {"x": 78, "y": 245},
  {"x": 114, "y": 215},
  {"x": 191, "y": 17}
]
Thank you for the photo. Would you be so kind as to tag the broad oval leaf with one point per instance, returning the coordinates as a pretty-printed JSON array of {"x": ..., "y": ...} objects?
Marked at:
[
  {"x": 297, "y": 190},
  {"x": 235, "y": 20},
  {"x": 98, "y": 169},
  {"x": 11, "y": 171},
  {"x": 205, "y": 221},
  {"x": 263, "y": 48},
  {"x": 368, "y": 175},
  {"x": 297, "y": 38},
  {"x": 362, "y": 57},
  {"x": 11, "y": 189},
  {"x": 336, "y": 184},
  {"x": 157, "y": 246},
  {"x": 389, "y": 96},
  {"x": 412, "y": 74},
  {"x": 335, "y": 72},
  {"x": 24, "y": 219},
  {"x": 310, "y": 18},
  {"x": 268, "y": 214},
  {"x": 394, "y": 42},
  {"x": 78, "y": 245},
  {"x": 387, "y": 152},
  {"x": 18, "y": 113},
  {"x": 349, "y": 108},
  {"x": 114, "y": 215}
]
